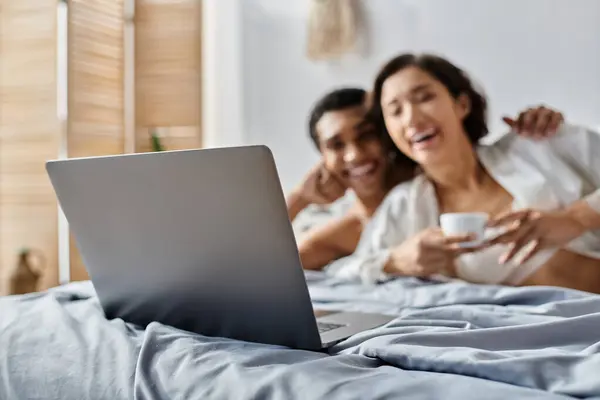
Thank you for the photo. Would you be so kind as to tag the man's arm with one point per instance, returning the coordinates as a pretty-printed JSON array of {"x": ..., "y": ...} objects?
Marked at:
[
  {"x": 334, "y": 240},
  {"x": 295, "y": 204}
]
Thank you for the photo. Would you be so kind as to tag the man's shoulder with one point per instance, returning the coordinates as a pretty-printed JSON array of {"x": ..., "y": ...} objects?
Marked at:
[
  {"x": 567, "y": 132},
  {"x": 317, "y": 215}
]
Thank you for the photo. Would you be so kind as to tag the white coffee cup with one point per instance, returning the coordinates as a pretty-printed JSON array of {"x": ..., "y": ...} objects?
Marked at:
[{"x": 455, "y": 224}]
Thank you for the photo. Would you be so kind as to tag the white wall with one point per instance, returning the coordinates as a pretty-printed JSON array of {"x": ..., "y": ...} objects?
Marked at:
[{"x": 523, "y": 51}]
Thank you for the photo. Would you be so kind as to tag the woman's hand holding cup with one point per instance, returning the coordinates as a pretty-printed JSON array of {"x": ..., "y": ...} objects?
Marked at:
[{"x": 430, "y": 252}]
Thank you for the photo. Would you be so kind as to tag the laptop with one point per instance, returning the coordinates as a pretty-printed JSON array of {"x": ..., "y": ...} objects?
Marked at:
[{"x": 199, "y": 240}]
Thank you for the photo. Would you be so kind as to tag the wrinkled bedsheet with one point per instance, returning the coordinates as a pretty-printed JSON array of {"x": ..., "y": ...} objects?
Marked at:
[{"x": 449, "y": 341}]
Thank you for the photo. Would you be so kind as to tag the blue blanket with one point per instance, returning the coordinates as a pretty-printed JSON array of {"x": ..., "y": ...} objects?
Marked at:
[{"x": 449, "y": 341}]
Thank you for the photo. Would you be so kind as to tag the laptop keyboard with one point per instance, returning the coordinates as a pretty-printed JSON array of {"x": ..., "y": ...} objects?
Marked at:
[{"x": 325, "y": 327}]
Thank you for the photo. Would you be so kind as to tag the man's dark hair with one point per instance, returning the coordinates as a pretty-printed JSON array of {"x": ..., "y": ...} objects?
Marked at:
[{"x": 339, "y": 99}]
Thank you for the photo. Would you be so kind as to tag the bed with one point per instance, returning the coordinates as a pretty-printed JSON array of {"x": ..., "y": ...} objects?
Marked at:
[{"x": 450, "y": 340}]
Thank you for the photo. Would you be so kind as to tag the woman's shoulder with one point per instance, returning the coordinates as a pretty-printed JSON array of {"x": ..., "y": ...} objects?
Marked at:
[
  {"x": 398, "y": 197},
  {"x": 390, "y": 224},
  {"x": 401, "y": 191}
]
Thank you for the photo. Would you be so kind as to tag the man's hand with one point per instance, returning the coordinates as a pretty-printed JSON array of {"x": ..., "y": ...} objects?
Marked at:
[
  {"x": 536, "y": 122},
  {"x": 320, "y": 187}
]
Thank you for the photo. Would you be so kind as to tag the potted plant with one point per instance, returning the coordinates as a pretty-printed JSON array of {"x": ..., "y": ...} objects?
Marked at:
[{"x": 155, "y": 140}]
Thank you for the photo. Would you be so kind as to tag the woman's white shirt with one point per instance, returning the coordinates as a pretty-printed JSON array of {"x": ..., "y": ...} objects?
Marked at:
[{"x": 543, "y": 175}]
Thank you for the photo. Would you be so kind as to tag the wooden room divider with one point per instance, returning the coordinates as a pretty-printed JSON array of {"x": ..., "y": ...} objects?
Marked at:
[
  {"x": 133, "y": 68},
  {"x": 29, "y": 132}
]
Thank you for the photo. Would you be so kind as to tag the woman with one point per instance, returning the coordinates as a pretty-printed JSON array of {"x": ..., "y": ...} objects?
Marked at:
[{"x": 545, "y": 194}]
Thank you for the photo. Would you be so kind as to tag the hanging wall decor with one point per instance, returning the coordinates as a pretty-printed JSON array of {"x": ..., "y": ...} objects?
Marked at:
[{"x": 332, "y": 29}]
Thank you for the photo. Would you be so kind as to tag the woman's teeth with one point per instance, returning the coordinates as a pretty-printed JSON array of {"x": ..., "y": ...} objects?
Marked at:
[{"x": 423, "y": 136}]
